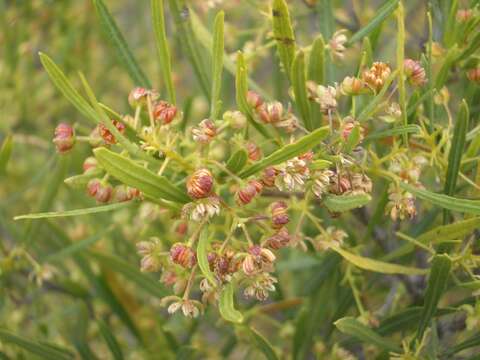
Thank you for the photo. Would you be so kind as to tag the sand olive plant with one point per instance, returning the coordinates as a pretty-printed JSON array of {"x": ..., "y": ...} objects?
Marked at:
[{"x": 299, "y": 180}]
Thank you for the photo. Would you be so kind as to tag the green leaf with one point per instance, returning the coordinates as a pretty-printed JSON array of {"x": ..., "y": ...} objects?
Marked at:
[
  {"x": 449, "y": 28},
  {"x": 299, "y": 83},
  {"x": 470, "y": 342},
  {"x": 353, "y": 140},
  {"x": 316, "y": 61},
  {"x": 377, "y": 266},
  {"x": 320, "y": 164},
  {"x": 110, "y": 340},
  {"x": 181, "y": 16},
  {"x": 261, "y": 343},
  {"x": 441, "y": 233},
  {"x": 341, "y": 203},
  {"x": 399, "y": 130},
  {"x": 473, "y": 46},
  {"x": 226, "y": 307},
  {"x": 353, "y": 327},
  {"x": 206, "y": 40},
  {"x": 202, "y": 257},
  {"x": 76, "y": 212},
  {"x": 80, "y": 181},
  {"x": 124, "y": 54},
  {"x": 283, "y": 34},
  {"x": 42, "y": 350},
  {"x": 241, "y": 89},
  {"x": 381, "y": 14},
  {"x": 134, "y": 175},
  {"x": 217, "y": 64},
  {"x": 130, "y": 272},
  {"x": 163, "y": 50},
  {"x": 237, "y": 161},
  {"x": 63, "y": 84},
  {"x": 288, "y": 151},
  {"x": 457, "y": 149},
  {"x": 5, "y": 153},
  {"x": 444, "y": 201},
  {"x": 437, "y": 282}
]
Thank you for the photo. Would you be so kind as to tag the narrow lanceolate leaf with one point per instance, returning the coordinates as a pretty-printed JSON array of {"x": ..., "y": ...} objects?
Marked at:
[
  {"x": 202, "y": 257},
  {"x": 469, "y": 343},
  {"x": 437, "y": 282},
  {"x": 383, "y": 12},
  {"x": 110, "y": 340},
  {"x": 181, "y": 15},
  {"x": 241, "y": 89},
  {"x": 124, "y": 54},
  {"x": 261, "y": 344},
  {"x": 400, "y": 68},
  {"x": 163, "y": 50},
  {"x": 377, "y": 266},
  {"x": 226, "y": 306},
  {"x": 134, "y": 175},
  {"x": 283, "y": 34},
  {"x": 341, "y": 203},
  {"x": 316, "y": 61},
  {"x": 457, "y": 230},
  {"x": 444, "y": 201},
  {"x": 130, "y": 272},
  {"x": 102, "y": 118},
  {"x": 288, "y": 151},
  {"x": 80, "y": 181},
  {"x": 5, "y": 153},
  {"x": 77, "y": 212},
  {"x": 299, "y": 83},
  {"x": 353, "y": 327},
  {"x": 63, "y": 84},
  {"x": 206, "y": 40},
  {"x": 217, "y": 65},
  {"x": 399, "y": 130},
  {"x": 353, "y": 140},
  {"x": 456, "y": 150},
  {"x": 33, "y": 347},
  {"x": 237, "y": 161}
]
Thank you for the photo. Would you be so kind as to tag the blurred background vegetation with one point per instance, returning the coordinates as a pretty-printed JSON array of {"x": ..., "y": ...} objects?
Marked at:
[{"x": 88, "y": 300}]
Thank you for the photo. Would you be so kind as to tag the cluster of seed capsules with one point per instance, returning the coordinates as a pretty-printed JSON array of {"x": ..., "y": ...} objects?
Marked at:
[{"x": 249, "y": 263}]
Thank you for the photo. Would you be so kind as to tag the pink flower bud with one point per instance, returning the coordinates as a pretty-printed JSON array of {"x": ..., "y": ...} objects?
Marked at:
[
  {"x": 269, "y": 176},
  {"x": 246, "y": 195},
  {"x": 279, "y": 240},
  {"x": 138, "y": 97},
  {"x": 204, "y": 132},
  {"x": 64, "y": 138},
  {"x": 414, "y": 72},
  {"x": 254, "y": 100},
  {"x": 474, "y": 75},
  {"x": 89, "y": 164}
]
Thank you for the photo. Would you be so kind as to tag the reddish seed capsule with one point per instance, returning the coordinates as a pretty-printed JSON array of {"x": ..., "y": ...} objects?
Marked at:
[
  {"x": 164, "y": 112},
  {"x": 246, "y": 195},
  {"x": 138, "y": 97},
  {"x": 279, "y": 214},
  {"x": 101, "y": 192},
  {"x": 107, "y": 136},
  {"x": 204, "y": 132},
  {"x": 183, "y": 255},
  {"x": 269, "y": 176},
  {"x": 414, "y": 72},
  {"x": 278, "y": 240},
  {"x": 64, "y": 138},
  {"x": 89, "y": 164},
  {"x": 254, "y": 100},
  {"x": 181, "y": 229},
  {"x": 254, "y": 152},
  {"x": 125, "y": 193},
  {"x": 200, "y": 184},
  {"x": 474, "y": 75}
]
